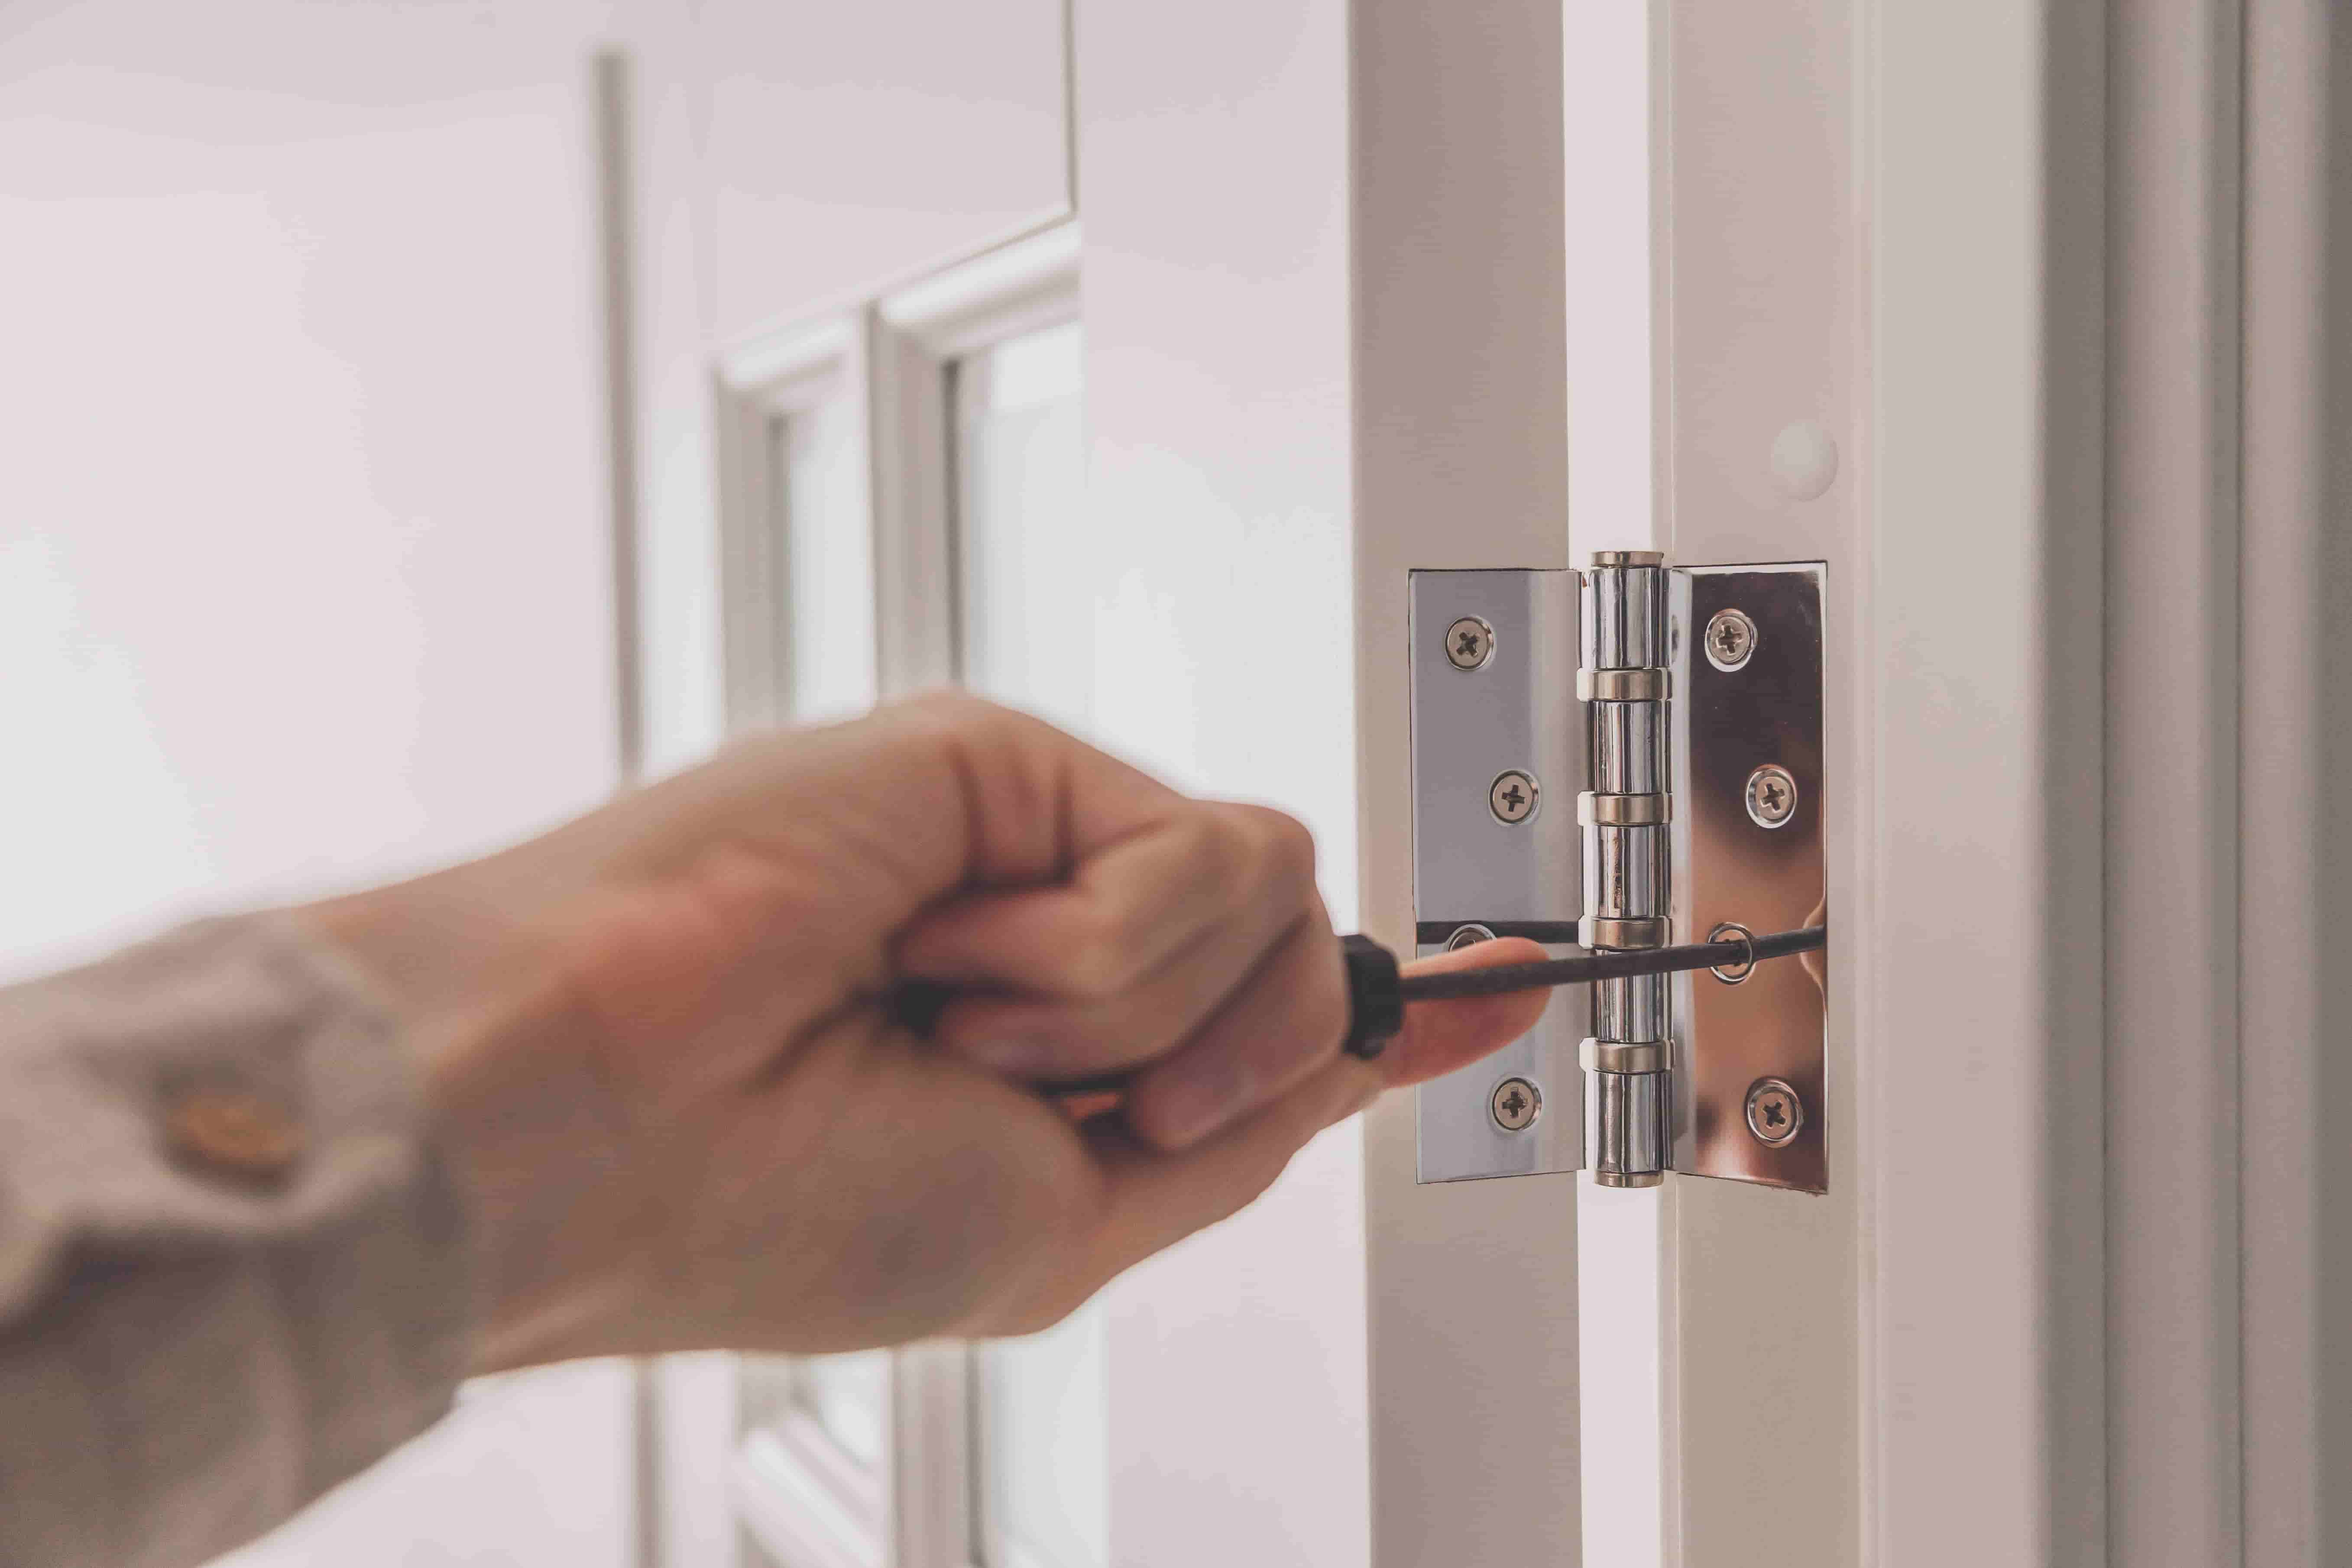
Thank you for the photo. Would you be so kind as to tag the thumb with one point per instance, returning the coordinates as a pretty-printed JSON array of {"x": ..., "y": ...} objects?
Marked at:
[{"x": 1439, "y": 1037}]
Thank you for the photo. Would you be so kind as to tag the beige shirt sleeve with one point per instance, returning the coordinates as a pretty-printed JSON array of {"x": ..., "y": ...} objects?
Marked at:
[{"x": 233, "y": 1269}]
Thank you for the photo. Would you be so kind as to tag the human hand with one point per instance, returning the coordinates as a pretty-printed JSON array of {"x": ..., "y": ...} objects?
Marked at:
[{"x": 662, "y": 1047}]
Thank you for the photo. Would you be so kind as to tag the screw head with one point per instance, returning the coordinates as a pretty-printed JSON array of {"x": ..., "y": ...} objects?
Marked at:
[
  {"x": 1515, "y": 1104},
  {"x": 1469, "y": 643},
  {"x": 1467, "y": 936},
  {"x": 1775, "y": 1114},
  {"x": 1730, "y": 640},
  {"x": 1733, "y": 973},
  {"x": 1771, "y": 795},
  {"x": 1513, "y": 795}
]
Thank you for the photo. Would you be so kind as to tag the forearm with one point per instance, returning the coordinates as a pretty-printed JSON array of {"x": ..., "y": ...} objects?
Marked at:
[{"x": 233, "y": 1270}]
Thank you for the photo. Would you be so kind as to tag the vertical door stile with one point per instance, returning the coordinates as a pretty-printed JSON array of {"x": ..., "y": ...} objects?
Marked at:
[
  {"x": 1759, "y": 357},
  {"x": 1459, "y": 401}
]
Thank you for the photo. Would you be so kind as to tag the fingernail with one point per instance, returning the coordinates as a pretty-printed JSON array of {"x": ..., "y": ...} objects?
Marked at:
[{"x": 1016, "y": 1056}]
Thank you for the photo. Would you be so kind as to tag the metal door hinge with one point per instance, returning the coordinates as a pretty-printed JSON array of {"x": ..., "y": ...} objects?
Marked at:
[{"x": 1582, "y": 778}]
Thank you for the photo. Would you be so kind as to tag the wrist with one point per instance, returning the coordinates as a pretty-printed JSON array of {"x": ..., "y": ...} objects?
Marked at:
[
  {"x": 473, "y": 987},
  {"x": 435, "y": 952}
]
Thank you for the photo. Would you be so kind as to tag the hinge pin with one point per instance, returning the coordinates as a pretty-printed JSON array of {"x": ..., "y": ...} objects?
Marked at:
[{"x": 1627, "y": 867}]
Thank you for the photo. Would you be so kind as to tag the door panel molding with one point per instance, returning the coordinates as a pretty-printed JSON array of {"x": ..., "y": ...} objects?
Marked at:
[{"x": 918, "y": 332}]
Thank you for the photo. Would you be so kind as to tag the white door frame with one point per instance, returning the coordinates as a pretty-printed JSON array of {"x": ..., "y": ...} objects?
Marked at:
[
  {"x": 1863, "y": 225},
  {"x": 2021, "y": 262},
  {"x": 1460, "y": 400}
]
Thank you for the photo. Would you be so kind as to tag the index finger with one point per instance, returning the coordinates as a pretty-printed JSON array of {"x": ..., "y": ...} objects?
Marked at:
[
  {"x": 1156, "y": 1198},
  {"x": 1440, "y": 1037}
]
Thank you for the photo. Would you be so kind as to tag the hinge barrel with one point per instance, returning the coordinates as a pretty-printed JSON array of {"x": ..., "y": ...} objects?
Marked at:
[{"x": 1628, "y": 864}]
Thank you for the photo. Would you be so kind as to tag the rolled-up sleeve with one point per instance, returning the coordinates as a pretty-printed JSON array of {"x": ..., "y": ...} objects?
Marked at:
[{"x": 233, "y": 1266}]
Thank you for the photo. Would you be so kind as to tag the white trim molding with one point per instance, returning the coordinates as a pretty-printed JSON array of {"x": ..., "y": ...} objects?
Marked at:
[
  {"x": 918, "y": 332},
  {"x": 1019, "y": 287},
  {"x": 763, "y": 380},
  {"x": 804, "y": 1501},
  {"x": 807, "y": 1502}
]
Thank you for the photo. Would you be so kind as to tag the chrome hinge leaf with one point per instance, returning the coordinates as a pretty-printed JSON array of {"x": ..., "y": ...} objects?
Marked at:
[
  {"x": 1628, "y": 757},
  {"x": 1487, "y": 723}
]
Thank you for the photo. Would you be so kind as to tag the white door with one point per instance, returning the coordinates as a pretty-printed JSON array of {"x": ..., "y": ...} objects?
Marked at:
[{"x": 1926, "y": 295}]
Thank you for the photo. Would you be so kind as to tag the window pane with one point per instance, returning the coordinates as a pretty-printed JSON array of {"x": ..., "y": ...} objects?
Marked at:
[
  {"x": 850, "y": 1397},
  {"x": 820, "y": 484},
  {"x": 1021, "y": 554},
  {"x": 1020, "y": 536},
  {"x": 1043, "y": 1421}
]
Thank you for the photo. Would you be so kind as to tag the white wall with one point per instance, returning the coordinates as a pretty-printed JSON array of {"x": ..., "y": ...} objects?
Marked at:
[
  {"x": 303, "y": 577},
  {"x": 851, "y": 143},
  {"x": 305, "y": 570}
]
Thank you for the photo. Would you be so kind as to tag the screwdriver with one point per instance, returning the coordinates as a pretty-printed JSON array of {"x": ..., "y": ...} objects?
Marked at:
[{"x": 1378, "y": 989}]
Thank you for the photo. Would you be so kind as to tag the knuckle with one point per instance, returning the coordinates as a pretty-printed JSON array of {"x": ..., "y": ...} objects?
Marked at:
[
  {"x": 950, "y": 713},
  {"x": 1127, "y": 928},
  {"x": 945, "y": 702},
  {"x": 1314, "y": 1016},
  {"x": 1094, "y": 967},
  {"x": 1324, "y": 1020},
  {"x": 1288, "y": 846}
]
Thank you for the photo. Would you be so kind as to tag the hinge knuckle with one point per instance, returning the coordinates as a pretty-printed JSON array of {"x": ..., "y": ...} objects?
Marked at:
[{"x": 1628, "y": 864}]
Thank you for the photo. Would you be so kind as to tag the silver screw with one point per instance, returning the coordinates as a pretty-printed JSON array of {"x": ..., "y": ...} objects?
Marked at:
[
  {"x": 1467, "y": 936},
  {"x": 1771, "y": 795},
  {"x": 1469, "y": 643},
  {"x": 1775, "y": 1114},
  {"x": 1512, "y": 796},
  {"x": 1733, "y": 973},
  {"x": 1730, "y": 640},
  {"x": 1516, "y": 1103}
]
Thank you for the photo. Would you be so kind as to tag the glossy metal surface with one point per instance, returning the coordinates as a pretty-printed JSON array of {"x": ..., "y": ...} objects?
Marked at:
[
  {"x": 1623, "y": 614},
  {"x": 1516, "y": 1104},
  {"x": 1727, "y": 724},
  {"x": 1633, "y": 1010},
  {"x": 1776, "y": 1116},
  {"x": 1627, "y": 1120},
  {"x": 1624, "y": 810},
  {"x": 1628, "y": 747},
  {"x": 1513, "y": 712},
  {"x": 1628, "y": 870},
  {"x": 1625, "y": 871},
  {"x": 1729, "y": 639}
]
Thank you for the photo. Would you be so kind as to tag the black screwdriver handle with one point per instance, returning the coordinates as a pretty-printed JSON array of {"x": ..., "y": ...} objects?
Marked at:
[{"x": 1375, "y": 996}]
